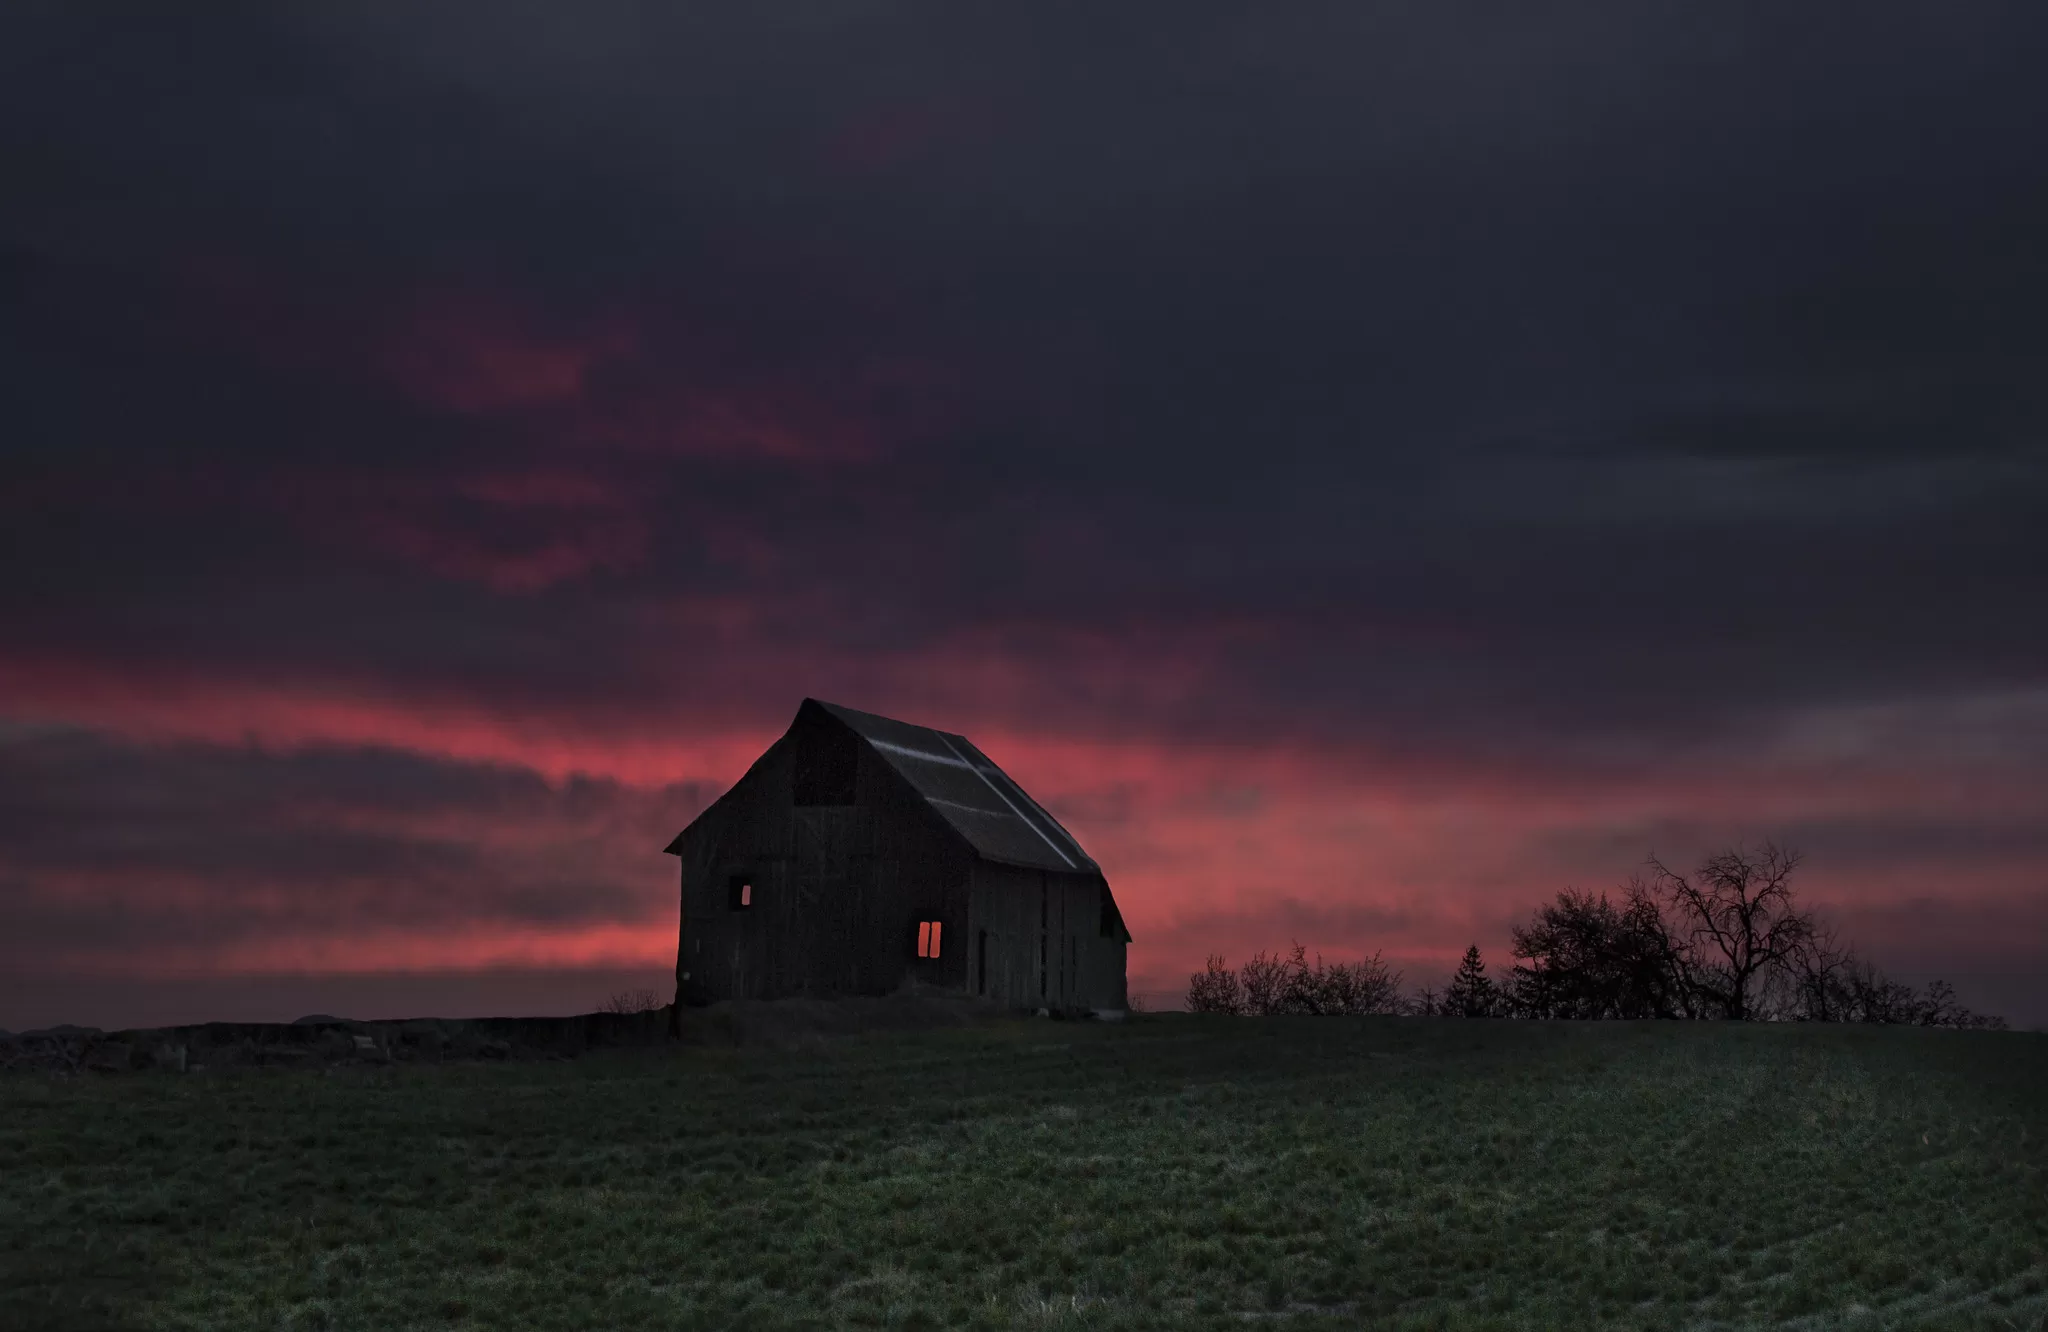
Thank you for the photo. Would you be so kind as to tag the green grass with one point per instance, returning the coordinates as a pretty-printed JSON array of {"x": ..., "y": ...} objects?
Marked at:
[{"x": 1171, "y": 1171}]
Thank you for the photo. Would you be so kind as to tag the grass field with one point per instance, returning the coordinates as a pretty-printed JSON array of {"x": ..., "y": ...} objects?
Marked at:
[{"x": 1171, "y": 1171}]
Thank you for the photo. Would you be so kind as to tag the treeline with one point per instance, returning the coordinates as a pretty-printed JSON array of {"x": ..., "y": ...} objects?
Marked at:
[{"x": 1728, "y": 941}]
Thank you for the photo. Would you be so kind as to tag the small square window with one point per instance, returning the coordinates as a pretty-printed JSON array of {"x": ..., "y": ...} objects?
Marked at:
[
  {"x": 740, "y": 892},
  {"x": 928, "y": 938}
]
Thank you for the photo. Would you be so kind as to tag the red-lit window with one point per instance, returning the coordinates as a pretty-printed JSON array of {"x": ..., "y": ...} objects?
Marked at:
[
  {"x": 739, "y": 890},
  {"x": 927, "y": 938}
]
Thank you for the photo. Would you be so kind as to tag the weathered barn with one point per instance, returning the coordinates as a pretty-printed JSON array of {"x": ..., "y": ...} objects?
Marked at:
[{"x": 859, "y": 855}]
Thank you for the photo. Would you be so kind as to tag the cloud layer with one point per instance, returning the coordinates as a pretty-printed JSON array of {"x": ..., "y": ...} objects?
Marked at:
[{"x": 1365, "y": 471}]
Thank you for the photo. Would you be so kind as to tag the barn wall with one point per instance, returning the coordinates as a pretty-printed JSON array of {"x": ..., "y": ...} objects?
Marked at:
[
  {"x": 734, "y": 954},
  {"x": 1002, "y": 934},
  {"x": 839, "y": 888},
  {"x": 693, "y": 853},
  {"x": 1044, "y": 946},
  {"x": 1102, "y": 958}
]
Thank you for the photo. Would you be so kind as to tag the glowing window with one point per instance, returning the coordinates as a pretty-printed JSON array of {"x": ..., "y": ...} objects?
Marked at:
[
  {"x": 739, "y": 892},
  {"x": 927, "y": 938}
]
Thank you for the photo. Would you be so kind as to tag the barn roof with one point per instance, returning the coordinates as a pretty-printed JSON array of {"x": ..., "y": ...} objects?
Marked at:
[{"x": 996, "y": 816}]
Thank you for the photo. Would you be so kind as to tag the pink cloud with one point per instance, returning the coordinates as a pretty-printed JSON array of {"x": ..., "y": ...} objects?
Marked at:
[
  {"x": 572, "y": 423},
  {"x": 602, "y": 377},
  {"x": 479, "y": 355},
  {"x": 1211, "y": 846},
  {"x": 162, "y": 702},
  {"x": 725, "y": 422},
  {"x": 519, "y": 533}
]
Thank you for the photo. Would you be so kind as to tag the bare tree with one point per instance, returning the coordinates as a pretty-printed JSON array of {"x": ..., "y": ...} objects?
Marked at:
[
  {"x": 1938, "y": 1008},
  {"x": 1264, "y": 979},
  {"x": 1216, "y": 990},
  {"x": 1872, "y": 996},
  {"x": 1821, "y": 969},
  {"x": 630, "y": 1001},
  {"x": 1270, "y": 984},
  {"x": 1736, "y": 924},
  {"x": 1340, "y": 988},
  {"x": 1831, "y": 984}
]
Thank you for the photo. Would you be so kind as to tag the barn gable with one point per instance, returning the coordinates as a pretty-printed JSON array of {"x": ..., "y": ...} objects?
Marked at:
[{"x": 995, "y": 816}]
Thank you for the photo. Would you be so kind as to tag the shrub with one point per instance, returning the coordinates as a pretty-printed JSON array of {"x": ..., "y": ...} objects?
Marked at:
[
  {"x": 1216, "y": 990},
  {"x": 631, "y": 1001},
  {"x": 1269, "y": 983}
]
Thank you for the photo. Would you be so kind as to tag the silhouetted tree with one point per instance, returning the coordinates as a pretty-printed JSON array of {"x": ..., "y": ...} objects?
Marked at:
[
  {"x": 1340, "y": 988},
  {"x": 1264, "y": 980},
  {"x": 1728, "y": 941},
  {"x": 631, "y": 1001},
  {"x": 1216, "y": 990},
  {"x": 1735, "y": 925},
  {"x": 1820, "y": 985},
  {"x": 1586, "y": 957},
  {"x": 1269, "y": 984},
  {"x": 1938, "y": 1008},
  {"x": 1471, "y": 992},
  {"x": 1831, "y": 984},
  {"x": 1875, "y": 997}
]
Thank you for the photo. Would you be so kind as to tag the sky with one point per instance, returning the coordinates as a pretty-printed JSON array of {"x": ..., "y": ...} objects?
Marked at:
[{"x": 1365, "y": 468}]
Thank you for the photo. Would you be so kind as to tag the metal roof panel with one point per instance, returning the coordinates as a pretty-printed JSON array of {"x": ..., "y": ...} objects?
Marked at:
[{"x": 983, "y": 803}]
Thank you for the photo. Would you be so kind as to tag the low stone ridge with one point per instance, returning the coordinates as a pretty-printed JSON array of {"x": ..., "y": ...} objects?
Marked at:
[{"x": 329, "y": 1041}]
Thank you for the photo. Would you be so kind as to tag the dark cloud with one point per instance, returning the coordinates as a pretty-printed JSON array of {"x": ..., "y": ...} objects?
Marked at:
[
  {"x": 115, "y": 851},
  {"x": 1571, "y": 392}
]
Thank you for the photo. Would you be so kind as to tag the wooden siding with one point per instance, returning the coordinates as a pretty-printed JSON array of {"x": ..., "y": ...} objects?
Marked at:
[
  {"x": 839, "y": 891},
  {"x": 1044, "y": 947}
]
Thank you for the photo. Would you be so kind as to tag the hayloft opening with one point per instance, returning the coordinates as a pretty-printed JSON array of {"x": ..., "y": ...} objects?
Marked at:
[
  {"x": 740, "y": 892},
  {"x": 928, "y": 938}
]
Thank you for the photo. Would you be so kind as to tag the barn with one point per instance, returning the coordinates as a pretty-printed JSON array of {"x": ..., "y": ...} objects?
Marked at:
[{"x": 864, "y": 855}]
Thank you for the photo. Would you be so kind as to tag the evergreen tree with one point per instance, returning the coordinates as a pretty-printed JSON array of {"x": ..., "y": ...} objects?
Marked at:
[{"x": 1471, "y": 992}]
